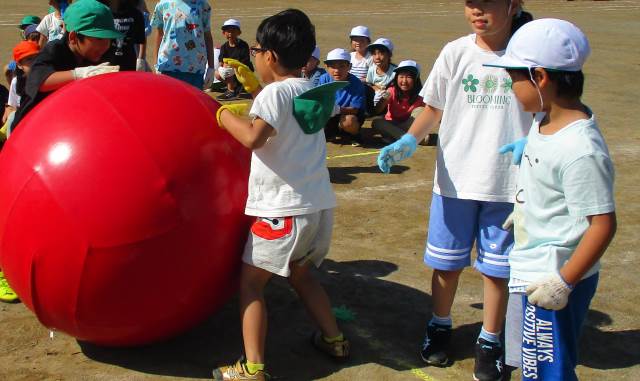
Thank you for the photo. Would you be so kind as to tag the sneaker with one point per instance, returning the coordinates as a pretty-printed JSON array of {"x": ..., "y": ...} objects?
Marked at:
[
  {"x": 238, "y": 371},
  {"x": 488, "y": 361},
  {"x": 228, "y": 95},
  {"x": 7, "y": 294},
  {"x": 435, "y": 345},
  {"x": 339, "y": 350}
]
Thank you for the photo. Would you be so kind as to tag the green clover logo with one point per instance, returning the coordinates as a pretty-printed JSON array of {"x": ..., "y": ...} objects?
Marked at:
[
  {"x": 507, "y": 84},
  {"x": 470, "y": 83}
]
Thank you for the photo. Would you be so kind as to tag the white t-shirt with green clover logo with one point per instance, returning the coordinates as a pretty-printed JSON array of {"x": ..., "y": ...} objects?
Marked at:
[{"x": 480, "y": 114}]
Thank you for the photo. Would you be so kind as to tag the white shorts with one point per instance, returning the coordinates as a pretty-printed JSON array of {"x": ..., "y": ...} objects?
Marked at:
[{"x": 276, "y": 242}]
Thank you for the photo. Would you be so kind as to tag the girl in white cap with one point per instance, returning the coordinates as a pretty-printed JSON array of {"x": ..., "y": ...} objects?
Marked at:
[
  {"x": 474, "y": 186},
  {"x": 360, "y": 57}
]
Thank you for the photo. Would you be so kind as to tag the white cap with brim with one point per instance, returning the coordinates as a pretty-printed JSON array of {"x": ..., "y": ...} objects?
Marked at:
[
  {"x": 408, "y": 65},
  {"x": 381, "y": 42},
  {"x": 360, "y": 31},
  {"x": 547, "y": 43},
  {"x": 231, "y": 23},
  {"x": 316, "y": 53},
  {"x": 338, "y": 54}
]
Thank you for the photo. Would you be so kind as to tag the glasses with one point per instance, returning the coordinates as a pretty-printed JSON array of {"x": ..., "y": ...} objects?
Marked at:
[{"x": 255, "y": 50}]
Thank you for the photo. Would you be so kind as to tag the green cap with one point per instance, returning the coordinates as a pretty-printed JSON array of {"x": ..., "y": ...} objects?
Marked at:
[
  {"x": 28, "y": 20},
  {"x": 90, "y": 18},
  {"x": 312, "y": 109}
]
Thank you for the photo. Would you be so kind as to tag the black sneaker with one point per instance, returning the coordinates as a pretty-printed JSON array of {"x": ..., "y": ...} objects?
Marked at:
[
  {"x": 229, "y": 95},
  {"x": 489, "y": 358},
  {"x": 435, "y": 345}
]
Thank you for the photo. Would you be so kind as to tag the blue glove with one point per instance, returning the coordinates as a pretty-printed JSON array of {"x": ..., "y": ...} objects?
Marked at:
[
  {"x": 402, "y": 149},
  {"x": 517, "y": 148}
]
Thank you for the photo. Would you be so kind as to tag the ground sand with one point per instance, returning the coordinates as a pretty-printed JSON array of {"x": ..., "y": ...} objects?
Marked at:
[{"x": 375, "y": 265}]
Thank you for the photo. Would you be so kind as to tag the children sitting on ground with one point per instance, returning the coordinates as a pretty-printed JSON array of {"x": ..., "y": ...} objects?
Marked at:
[
  {"x": 380, "y": 74},
  {"x": 234, "y": 48},
  {"x": 564, "y": 217},
  {"x": 128, "y": 52},
  {"x": 350, "y": 99},
  {"x": 311, "y": 71},
  {"x": 360, "y": 58},
  {"x": 184, "y": 44},
  {"x": 51, "y": 27},
  {"x": 401, "y": 100},
  {"x": 77, "y": 55},
  {"x": 289, "y": 190}
]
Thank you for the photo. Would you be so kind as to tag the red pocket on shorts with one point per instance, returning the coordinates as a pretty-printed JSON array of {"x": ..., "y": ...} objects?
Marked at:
[{"x": 272, "y": 228}]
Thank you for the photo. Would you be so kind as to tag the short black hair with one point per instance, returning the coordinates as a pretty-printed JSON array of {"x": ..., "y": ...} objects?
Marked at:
[
  {"x": 569, "y": 84},
  {"x": 290, "y": 35}
]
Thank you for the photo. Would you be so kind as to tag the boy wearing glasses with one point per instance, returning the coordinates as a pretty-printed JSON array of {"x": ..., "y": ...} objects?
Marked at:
[{"x": 289, "y": 189}]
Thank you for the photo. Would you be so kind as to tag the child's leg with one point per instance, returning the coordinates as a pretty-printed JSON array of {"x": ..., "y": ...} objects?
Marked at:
[
  {"x": 253, "y": 311},
  {"x": 495, "y": 303},
  {"x": 550, "y": 338},
  {"x": 314, "y": 298},
  {"x": 444, "y": 285}
]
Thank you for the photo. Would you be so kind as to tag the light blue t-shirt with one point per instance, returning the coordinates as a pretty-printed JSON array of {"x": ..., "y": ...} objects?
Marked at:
[
  {"x": 380, "y": 80},
  {"x": 184, "y": 23},
  {"x": 563, "y": 178}
]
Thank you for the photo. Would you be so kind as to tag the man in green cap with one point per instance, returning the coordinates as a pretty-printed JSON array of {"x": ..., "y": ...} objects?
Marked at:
[{"x": 89, "y": 30}]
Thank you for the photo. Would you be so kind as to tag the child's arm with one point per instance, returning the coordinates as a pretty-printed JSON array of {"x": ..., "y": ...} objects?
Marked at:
[
  {"x": 425, "y": 122},
  {"x": 251, "y": 134},
  {"x": 56, "y": 81},
  {"x": 594, "y": 242},
  {"x": 159, "y": 36}
]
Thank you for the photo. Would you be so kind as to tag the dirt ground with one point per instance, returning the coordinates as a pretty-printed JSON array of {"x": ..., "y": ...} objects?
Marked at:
[{"x": 375, "y": 265}]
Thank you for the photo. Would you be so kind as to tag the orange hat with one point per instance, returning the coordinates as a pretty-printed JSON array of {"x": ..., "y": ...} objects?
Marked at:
[{"x": 25, "y": 49}]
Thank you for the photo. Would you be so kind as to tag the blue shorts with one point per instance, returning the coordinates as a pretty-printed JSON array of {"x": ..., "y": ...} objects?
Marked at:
[
  {"x": 194, "y": 79},
  {"x": 550, "y": 338},
  {"x": 455, "y": 224}
]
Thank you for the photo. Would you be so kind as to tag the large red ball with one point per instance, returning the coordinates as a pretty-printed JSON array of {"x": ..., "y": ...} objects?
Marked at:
[{"x": 121, "y": 215}]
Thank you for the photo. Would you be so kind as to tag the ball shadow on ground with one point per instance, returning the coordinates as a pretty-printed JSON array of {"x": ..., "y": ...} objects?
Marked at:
[{"x": 387, "y": 329}]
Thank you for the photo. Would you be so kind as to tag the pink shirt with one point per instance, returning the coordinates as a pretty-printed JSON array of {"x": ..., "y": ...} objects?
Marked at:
[{"x": 400, "y": 110}]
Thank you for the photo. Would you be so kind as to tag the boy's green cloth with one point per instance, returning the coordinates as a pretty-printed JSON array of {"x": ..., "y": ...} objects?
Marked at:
[{"x": 312, "y": 109}]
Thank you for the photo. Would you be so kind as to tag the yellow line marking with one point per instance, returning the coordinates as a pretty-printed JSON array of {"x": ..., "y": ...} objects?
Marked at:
[
  {"x": 422, "y": 375},
  {"x": 353, "y": 155}
]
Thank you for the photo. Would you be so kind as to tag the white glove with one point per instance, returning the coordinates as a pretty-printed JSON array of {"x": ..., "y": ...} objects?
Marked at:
[
  {"x": 90, "y": 71},
  {"x": 209, "y": 76},
  {"x": 226, "y": 72},
  {"x": 141, "y": 64},
  {"x": 551, "y": 292}
]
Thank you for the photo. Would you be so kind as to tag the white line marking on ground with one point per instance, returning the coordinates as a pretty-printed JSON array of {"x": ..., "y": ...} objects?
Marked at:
[{"x": 373, "y": 191}]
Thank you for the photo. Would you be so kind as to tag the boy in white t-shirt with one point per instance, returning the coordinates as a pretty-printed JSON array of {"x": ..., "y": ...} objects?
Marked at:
[
  {"x": 52, "y": 27},
  {"x": 289, "y": 189},
  {"x": 564, "y": 216}
]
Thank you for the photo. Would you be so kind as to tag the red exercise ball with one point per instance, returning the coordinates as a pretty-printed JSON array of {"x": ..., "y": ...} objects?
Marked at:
[{"x": 122, "y": 210}]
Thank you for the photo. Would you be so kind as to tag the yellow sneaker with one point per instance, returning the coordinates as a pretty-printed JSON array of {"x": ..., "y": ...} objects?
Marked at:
[
  {"x": 339, "y": 350},
  {"x": 7, "y": 294},
  {"x": 238, "y": 371}
]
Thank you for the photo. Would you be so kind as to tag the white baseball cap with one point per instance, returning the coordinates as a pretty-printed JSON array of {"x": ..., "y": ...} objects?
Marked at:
[
  {"x": 360, "y": 31},
  {"x": 231, "y": 22},
  {"x": 316, "y": 53},
  {"x": 338, "y": 54},
  {"x": 547, "y": 43},
  {"x": 408, "y": 64},
  {"x": 381, "y": 42}
]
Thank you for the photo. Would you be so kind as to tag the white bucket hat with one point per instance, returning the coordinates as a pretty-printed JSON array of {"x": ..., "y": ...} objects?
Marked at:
[
  {"x": 360, "y": 31},
  {"x": 338, "y": 54},
  {"x": 231, "y": 22},
  {"x": 408, "y": 64},
  {"x": 547, "y": 43},
  {"x": 381, "y": 42}
]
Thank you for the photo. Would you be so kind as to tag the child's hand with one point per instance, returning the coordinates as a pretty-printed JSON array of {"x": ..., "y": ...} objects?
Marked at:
[
  {"x": 395, "y": 152},
  {"x": 517, "y": 148},
  {"x": 141, "y": 64},
  {"x": 245, "y": 76},
  {"x": 551, "y": 292},
  {"x": 90, "y": 71},
  {"x": 234, "y": 108}
]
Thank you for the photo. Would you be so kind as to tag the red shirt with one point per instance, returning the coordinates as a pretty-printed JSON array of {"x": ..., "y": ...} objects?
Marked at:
[{"x": 400, "y": 110}]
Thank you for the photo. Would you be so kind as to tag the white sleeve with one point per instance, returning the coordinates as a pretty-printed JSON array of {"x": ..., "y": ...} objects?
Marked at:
[
  {"x": 272, "y": 105},
  {"x": 43, "y": 27},
  {"x": 434, "y": 91},
  {"x": 14, "y": 98},
  {"x": 588, "y": 185}
]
